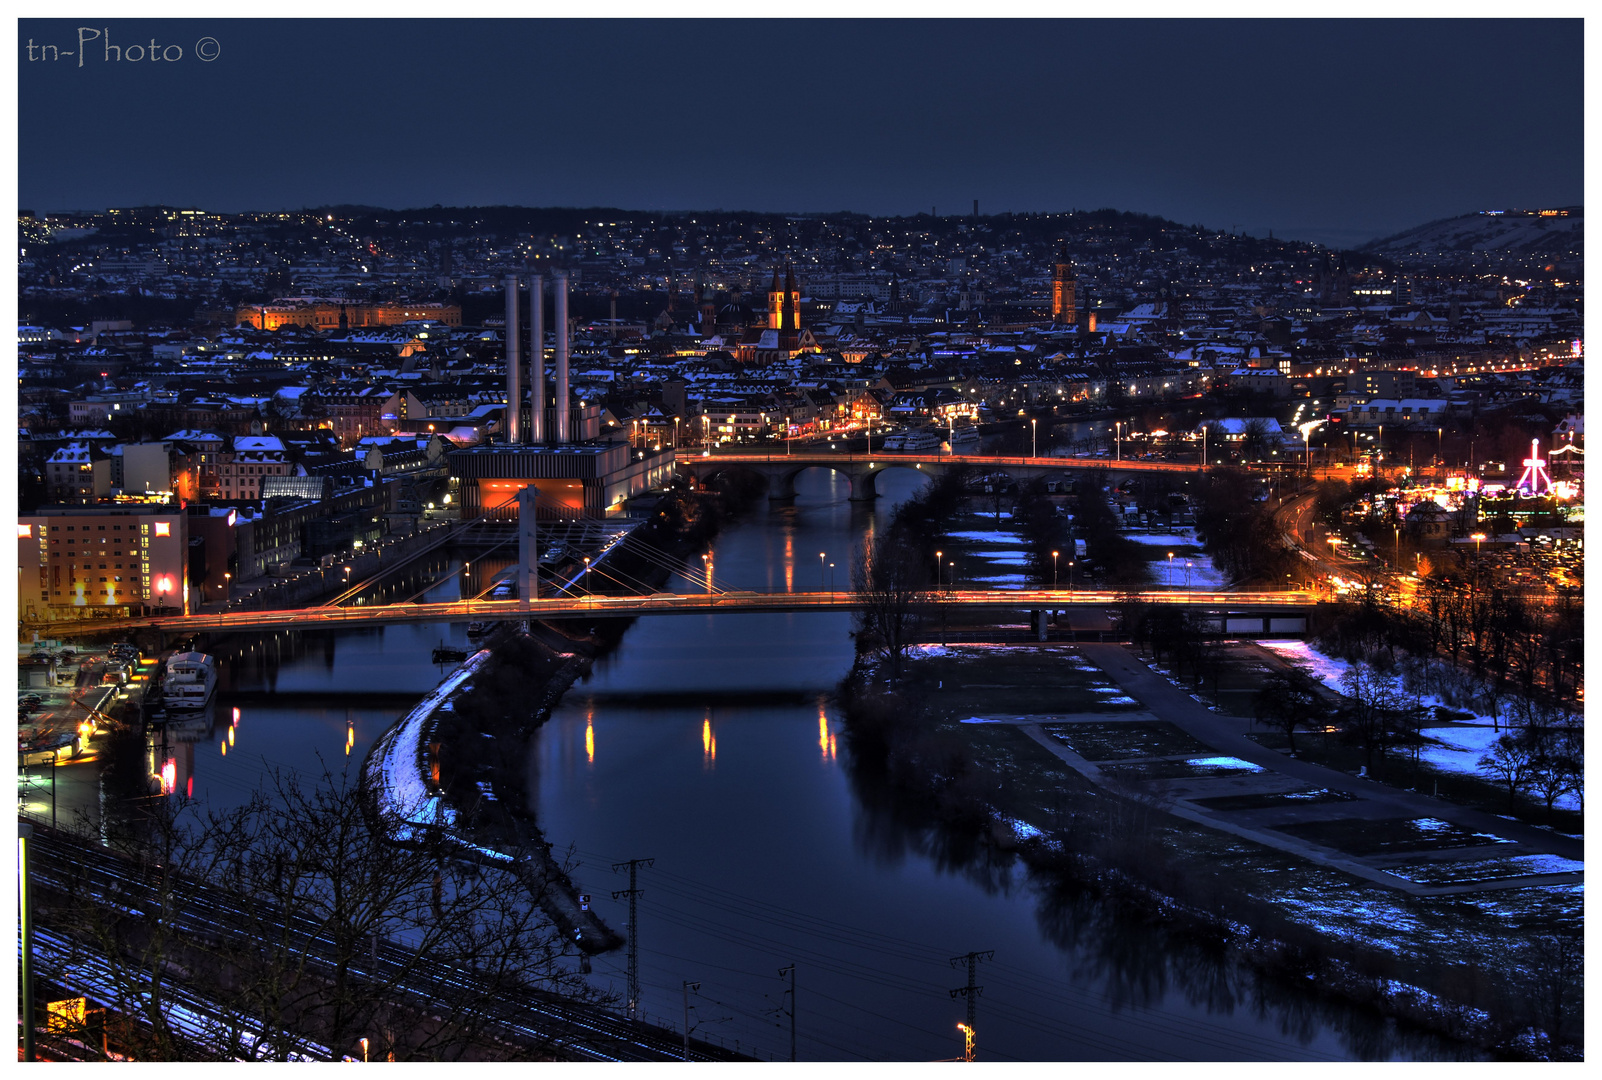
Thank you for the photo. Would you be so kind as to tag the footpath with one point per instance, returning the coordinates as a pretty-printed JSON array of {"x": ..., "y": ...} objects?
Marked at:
[{"x": 1352, "y": 800}]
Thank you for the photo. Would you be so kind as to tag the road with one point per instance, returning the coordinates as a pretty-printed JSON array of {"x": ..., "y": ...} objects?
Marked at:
[
  {"x": 977, "y": 461},
  {"x": 598, "y": 606}
]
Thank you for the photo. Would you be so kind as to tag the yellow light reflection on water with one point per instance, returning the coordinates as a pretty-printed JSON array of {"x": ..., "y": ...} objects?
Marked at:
[
  {"x": 230, "y": 736},
  {"x": 709, "y": 743},
  {"x": 823, "y": 735},
  {"x": 789, "y": 562},
  {"x": 589, "y": 738},
  {"x": 225, "y": 747}
]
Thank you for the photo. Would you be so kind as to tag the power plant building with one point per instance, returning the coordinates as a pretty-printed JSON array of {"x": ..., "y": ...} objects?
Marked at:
[{"x": 550, "y": 443}]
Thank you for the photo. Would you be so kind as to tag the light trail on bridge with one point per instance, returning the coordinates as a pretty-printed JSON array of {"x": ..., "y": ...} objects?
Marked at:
[
  {"x": 597, "y": 606},
  {"x": 888, "y": 458}
]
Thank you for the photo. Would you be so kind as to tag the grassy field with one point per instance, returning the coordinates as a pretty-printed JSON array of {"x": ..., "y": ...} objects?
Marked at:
[
  {"x": 1479, "y": 937},
  {"x": 1096, "y": 741}
]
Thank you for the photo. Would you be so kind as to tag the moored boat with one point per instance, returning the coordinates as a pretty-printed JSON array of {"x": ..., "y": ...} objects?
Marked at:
[{"x": 190, "y": 680}]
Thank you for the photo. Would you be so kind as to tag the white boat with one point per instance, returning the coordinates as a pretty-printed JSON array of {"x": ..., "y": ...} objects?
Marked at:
[
  {"x": 190, "y": 680},
  {"x": 921, "y": 442},
  {"x": 893, "y": 442},
  {"x": 964, "y": 437}
]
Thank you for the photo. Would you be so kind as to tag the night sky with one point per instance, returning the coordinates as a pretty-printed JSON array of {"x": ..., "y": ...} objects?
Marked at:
[{"x": 1332, "y": 131}]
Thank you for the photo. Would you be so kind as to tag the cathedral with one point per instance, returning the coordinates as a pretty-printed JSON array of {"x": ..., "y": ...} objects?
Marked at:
[{"x": 783, "y": 336}]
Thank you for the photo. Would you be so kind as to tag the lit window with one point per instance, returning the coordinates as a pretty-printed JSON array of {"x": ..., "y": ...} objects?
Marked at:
[
  {"x": 163, "y": 528},
  {"x": 24, "y": 530}
]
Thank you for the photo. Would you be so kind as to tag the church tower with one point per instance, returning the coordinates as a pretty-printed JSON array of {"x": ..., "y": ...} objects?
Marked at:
[
  {"x": 792, "y": 302},
  {"x": 776, "y": 303},
  {"x": 1063, "y": 284}
]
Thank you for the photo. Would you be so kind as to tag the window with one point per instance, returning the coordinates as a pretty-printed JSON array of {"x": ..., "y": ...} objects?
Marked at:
[
  {"x": 163, "y": 528},
  {"x": 24, "y": 530}
]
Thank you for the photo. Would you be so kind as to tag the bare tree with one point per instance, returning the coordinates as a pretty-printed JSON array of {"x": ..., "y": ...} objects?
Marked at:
[
  {"x": 890, "y": 578},
  {"x": 304, "y": 935},
  {"x": 1289, "y": 699},
  {"x": 1508, "y": 761}
]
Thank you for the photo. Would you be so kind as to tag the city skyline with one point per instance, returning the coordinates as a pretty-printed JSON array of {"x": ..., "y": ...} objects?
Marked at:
[{"x": 1336, "y": 132}]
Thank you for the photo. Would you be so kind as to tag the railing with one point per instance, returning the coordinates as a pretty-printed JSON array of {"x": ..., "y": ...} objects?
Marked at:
[
  {"x": 901, "y": 457},
  {"x": 682, "y": 603}
]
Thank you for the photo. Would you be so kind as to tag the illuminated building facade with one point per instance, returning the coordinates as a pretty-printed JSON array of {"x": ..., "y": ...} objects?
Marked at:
[
  {"x": 72, "y": 561},
  {"x": 583, "y": 480},
  {"x": 319, "y": 314},
  {"x": 1064, "y": 309},
  {"x": 782, "y": 335}
]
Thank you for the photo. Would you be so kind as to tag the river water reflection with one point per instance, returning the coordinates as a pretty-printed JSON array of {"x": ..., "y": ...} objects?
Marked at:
[{"x": 710, "y": 744}]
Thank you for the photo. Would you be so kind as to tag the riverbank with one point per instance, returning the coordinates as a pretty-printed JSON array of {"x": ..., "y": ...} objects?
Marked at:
[
  {"x": 982, "y": 779},
  {"x": 456, "y": 762}
]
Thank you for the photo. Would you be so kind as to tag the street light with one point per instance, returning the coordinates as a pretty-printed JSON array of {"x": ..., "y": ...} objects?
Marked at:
[
  {"x": 586, "y": 575},
  {"x": 1170, "y": 569},
  {"x": 820, "y": 569},
  {"x": 1034, "y": 449},
  {"x": 1070, "y": 575},
  {"x": 831, "y": 579},
  {"x": 938, "y": 556}
]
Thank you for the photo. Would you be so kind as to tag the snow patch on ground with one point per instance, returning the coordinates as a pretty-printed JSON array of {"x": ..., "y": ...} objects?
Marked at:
[
  {"x": 1465, "y": 743},
  {"x": 1223, "y": 763},
  {"x": 394, "y": 768},
  {"x": 1022, "y": 829},
  {"x": 1202, "y": 574},
  {"x": 1005, "y": 558},
  {"x": 987, "y": 537},
  {"x": 1018, "y": 580},
  {"x": 1172, "y": 540}
]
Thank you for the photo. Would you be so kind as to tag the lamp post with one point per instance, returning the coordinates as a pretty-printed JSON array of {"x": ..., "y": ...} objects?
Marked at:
[
  {"x": 1054, "y": 569},
  {"x": 1187, "y": 573},
  {"x": 1170, "y": 569},
  {"x": 1034, "y": 448},
  {"x": 831, "y": 579},
  {"x": 1070, "y": 575},
  {"x": 938, "y": 556},
  {"x": 586, "y": 575},
  {"x": 820, "y": 569},
  {"x": 1118, "y": 440}
]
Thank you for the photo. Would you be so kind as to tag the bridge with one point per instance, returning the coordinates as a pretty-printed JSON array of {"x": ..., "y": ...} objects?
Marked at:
[
  {"x": 1264, "y": 605},
  {"x": 863, "y": 470}
]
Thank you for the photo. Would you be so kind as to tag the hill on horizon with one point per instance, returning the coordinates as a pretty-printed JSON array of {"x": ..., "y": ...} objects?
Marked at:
[{"x": 1559, "y": 233}]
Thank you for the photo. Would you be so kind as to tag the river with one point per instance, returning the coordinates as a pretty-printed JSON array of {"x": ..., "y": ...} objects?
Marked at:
[{"x": 710, "y": 745}]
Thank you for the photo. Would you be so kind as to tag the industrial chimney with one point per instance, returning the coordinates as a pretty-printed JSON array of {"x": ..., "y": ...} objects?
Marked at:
[
  {"x": 514, "y": 367},
  {"x": 536, "y": 359},
  {"x": 563, "y": 398}
]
